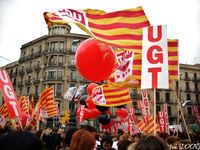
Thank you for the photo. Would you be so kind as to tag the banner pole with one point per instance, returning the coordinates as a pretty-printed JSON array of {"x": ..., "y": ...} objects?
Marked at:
[
  {"x": 154, "y": 111},
  {"x": 180, "y": 108}
]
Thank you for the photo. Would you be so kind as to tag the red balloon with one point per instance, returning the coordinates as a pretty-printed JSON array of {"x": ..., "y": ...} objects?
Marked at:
[
  {"x": 95, "y": 62},
  {"x": 122, "y": 113},
  {"x": 95, "y": 113},
  {"x": 90, "y": 87},
  {"x": 90, "y": 103}
]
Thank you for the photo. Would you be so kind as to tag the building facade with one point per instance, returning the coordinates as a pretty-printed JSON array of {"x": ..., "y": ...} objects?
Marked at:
[{"x": 50, "y": 60}]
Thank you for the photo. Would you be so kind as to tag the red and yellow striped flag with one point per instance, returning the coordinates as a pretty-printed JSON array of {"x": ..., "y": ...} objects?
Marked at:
[
  {"x": 53, "y": 110},
  {"x": 4, "y": 111},
  {"x": 106, "y": 95},
  {"x": 173, "y": 59},
  {"x": 121, "y": 29},
  {"x": 46, "y": 103},
  {"x": 149, "y": 127}
]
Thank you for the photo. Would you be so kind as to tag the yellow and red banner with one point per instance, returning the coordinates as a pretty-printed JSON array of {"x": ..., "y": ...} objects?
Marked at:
[
  {"x": 107, "y": 95},
  {"x": 121, "y": 29}
]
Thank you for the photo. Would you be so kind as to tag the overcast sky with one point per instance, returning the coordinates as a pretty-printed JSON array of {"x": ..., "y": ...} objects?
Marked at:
[{"x": 22, "y": 21}]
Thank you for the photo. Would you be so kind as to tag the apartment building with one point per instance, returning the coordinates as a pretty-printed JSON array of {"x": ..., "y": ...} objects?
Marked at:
[{"x": 49, "y": 60}]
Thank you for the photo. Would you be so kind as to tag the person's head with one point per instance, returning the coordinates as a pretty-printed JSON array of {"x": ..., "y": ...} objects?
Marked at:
[
  {"x": 106, "y": 142},
  {"x": 20, "y": 140},
  {"x": 151, "y": 142},
  {"x": 124, "y": 144},
  {"x": 82, "y": 139},
  {"x": 69, "y": 135},
  {"x": 91, "y": 130}
]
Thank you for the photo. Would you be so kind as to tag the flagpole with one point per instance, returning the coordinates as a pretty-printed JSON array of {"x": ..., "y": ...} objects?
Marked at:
[
  {"x": 154, "y": 111},
  {"x": 131, "y": 116},
  {"x": 180, "y": 108}
]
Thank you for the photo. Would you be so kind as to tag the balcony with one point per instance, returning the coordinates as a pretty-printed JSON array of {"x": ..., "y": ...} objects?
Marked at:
[
  {"x": 187, "y": 90},
  {"x": 73, "y": 78},
  {"x": 51, "y": 78},
  {"x": 28, "y": 82},
  {"x": 71, "y": 65},
  {"x": 37, "y": 67},
  {"x": 29, "y": 70},
  {"x": 84, "y": 81},
  {"x": 36, "y": 80},
  {"x": 21, "y": 72},
  {"x": 14, "y": 74},
  {"x": 22, "y": 59},
  {"x": 20, "y": 84}
]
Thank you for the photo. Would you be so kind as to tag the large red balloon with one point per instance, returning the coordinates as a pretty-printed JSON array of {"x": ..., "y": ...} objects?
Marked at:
[
  {"x": 122, "y": 113},
  {"x": 90, "y": 87},
  {"x": 95, "y": 62},
  {"x": 90, "y": 103}
]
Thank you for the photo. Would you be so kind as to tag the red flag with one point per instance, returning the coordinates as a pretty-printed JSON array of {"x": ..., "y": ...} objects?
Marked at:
[{"x": 9, "y": 94}]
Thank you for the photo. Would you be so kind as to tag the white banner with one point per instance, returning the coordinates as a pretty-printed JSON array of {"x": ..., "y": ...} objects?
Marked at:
[
  {"x": 125, "y": 61},
  {"x": 155, "y": 58}
]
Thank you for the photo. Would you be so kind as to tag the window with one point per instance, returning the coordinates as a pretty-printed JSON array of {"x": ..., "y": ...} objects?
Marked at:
[
  {"x": 195, "y": 76},
  {"x": 59, "y": 75},
  {"x": 167, "y": 97},
  {"x": 56, "y": 46},
  {"x": 73, "y": 75},
  {"x": 186, "y": 75},
  {"x": 32, "y": 51},
  {"x": 62, "y": 30},
  {"x": 197, "y": 99},
  {"x": 196, "y": 87},
  {"x": 169, "y": 110},
  {"x": 72, "y": 85},
  {"x": 40, "y": 49},
  {"x": 58, "y": 89},
  {"x": 62, "y": 46},
  {"x": 36, "y": 90},
  {"x": 29, "y": 78},
  {"x": 75, "y": 44},
  {"x": 157, "y": 96},
  {"x": 37, "y": 74},
  {"x": 187, "y": 87},
  {"x": 189, "y": 110},
  {"x": 51, "y": 74},
  {"x": 60, "y": 60},
  {"x": 188, "y": 96},
  {"x": 53, "y": 46},
  {"x": 38, "y": 63},
  {"x": 177, "y": 85},
  {"x": 72, "y": 61},
  {"x": 28, "y": 90},
  {"x": 157, "y": 109}
]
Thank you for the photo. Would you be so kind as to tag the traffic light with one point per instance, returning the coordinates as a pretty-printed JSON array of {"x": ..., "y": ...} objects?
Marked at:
[{"x": 67, "y": 116}]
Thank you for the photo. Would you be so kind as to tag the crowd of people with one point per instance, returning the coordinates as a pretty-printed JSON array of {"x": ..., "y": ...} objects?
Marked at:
[{"x": 87, "y": 138}]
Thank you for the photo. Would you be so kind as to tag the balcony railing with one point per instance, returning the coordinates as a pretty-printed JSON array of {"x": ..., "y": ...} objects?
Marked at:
[
  {"x": 20, "y": 84},
  {"x": 37, "y": 67},
  {"x": 28, "y": 82},
  {"x": 21, "y": 72},
  {"x": 29, "y": 69},
  {"x": 36, "y": 80}
]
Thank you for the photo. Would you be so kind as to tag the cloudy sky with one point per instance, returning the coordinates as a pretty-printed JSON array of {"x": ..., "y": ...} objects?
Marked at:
[{"x": 22, "y": 21}]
